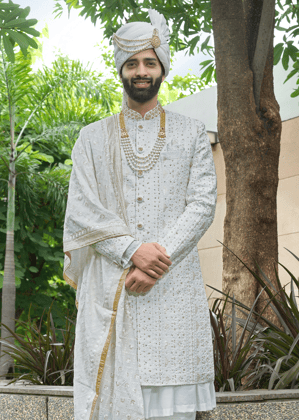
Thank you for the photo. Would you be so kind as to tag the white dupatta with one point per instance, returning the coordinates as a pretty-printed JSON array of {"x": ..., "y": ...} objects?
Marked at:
[{"x": 106, "y": 382}]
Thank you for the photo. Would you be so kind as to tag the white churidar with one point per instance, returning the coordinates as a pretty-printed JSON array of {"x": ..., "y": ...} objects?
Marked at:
[
  {"x": 167, "y": 400},
  {"x": 162, "y": 339}
]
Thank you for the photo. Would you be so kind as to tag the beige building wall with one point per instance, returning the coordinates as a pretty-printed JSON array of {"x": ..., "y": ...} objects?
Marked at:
[{"x": 210, "y": 250}]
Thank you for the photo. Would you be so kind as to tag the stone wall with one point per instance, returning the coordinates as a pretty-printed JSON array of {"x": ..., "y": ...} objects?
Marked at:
[{"x": 19, "y": 402}]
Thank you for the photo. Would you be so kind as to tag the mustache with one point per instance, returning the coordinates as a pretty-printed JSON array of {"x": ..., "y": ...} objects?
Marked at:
[{"x": 139, "y": 79}]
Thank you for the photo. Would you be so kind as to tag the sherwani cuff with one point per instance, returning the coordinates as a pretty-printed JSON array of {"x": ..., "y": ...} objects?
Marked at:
[
  {"x": 129, "y": 252},
  {"x": 114, "y": 249}
]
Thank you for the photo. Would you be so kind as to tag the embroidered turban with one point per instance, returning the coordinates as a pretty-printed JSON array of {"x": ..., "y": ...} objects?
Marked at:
[{"x": 134, "y": 37}]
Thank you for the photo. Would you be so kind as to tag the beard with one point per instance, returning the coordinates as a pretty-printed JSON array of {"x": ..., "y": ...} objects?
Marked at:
[{"x": 142, "y": 95}]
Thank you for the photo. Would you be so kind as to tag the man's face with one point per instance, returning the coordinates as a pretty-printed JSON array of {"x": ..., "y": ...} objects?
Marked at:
[{"x": 142, "y": 76}]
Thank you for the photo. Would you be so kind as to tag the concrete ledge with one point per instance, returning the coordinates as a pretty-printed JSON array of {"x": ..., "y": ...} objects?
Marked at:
[
  {"x": 57, "y": 391},
  {"x": 257, "y": 395},
  {"x": 20, "y": 407},
  {"x": 30, "y": 402},
  {"x": 286, "y": 410}
]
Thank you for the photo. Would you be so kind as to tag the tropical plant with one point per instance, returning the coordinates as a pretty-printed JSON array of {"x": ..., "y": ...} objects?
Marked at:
[
  {"x": 275, "y": 348},
  {"x": 15, "y": 79},
  {"x": 234, "y": 350},
  {"x": 279, "y": 361},
  {"x": 78, "y": 97},
  {"x": 43, "y": 355}
]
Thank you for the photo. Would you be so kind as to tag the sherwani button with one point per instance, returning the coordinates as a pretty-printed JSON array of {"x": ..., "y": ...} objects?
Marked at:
[
  {"x": 139, "y": 199},
  {"x": 140, "y": 149},
  {"x": 140, "y": 226},
  {"x": 140, "y": 127}
]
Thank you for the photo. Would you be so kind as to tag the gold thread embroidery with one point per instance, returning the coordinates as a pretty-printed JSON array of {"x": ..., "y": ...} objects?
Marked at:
[
  {"x": 138, "y": 44},
  {"x": 107, "y": 343},
  {"x": 69, "y": 281}
]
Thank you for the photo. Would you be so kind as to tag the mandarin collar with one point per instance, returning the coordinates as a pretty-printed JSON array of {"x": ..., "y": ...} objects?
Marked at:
[{"x": 134, "y": 115}]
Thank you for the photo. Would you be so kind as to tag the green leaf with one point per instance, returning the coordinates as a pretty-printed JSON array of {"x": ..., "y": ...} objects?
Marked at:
[
  {"x": 6, "y": 6},
  {"x": 205, "y": 63},
  {"x": 33, "y": 269},
  {"x": 21, "y": 23},
  {"x": 8, "y": 49},
  {"x": 10, "y": 16},
  {"x": 31, "y": 31},
  {"x": 295, "y": 93},
  {"x": 280, "y": 28},
  {"x": 133, "y": 4},
  {"x": 14, "y": 23},
  {"x": 43, "y": 157},
  {"x": 27, "y": 23},
  {"x": 193, "y": 44},
  {"x": 31, "y": 41},
  {"x": 204, "y": 45},
  {"x": 278, "y": 49},
  {"x": 208, "y": 73},
  {"x": 25, "y": 12},
  {"x": 20, "y": 40},
  {"x": 291, "y": 74},
  {"x": 285, "y": 59},
  {"x": 293, "y": 51},
  {"x": 68, "y": 162}
]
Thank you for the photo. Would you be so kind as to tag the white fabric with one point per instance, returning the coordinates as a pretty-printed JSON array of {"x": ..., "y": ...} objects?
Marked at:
[
  {"x": 115, "y": 249},
  {"x": 105, "y": 349},
  {"x": 164, "y": 401},
  {"x": 136, "y": 31},
  {"x": 171, "y": 322}
]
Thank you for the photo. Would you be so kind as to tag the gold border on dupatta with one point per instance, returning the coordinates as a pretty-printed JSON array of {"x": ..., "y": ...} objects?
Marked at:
[
  {"x": 73, "y": 285},
  {"x": 69, "y": 281},
  {"x": 107, "y": 343}
]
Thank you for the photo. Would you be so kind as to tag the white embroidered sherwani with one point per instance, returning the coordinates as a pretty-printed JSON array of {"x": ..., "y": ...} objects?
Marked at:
[{"x": 172, "y": 204}]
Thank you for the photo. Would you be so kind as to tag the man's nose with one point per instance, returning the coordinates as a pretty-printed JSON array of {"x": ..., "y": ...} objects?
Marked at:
[{"x": 142, "y": 70}]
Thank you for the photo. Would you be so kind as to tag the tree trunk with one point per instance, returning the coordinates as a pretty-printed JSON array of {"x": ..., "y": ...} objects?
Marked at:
[
  {"x": 250, "y": 140},
  {"x": 9, "y": 288}
]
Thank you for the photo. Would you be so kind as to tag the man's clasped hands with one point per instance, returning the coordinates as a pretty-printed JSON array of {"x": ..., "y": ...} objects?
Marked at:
[{"x": 150, "y": 262}]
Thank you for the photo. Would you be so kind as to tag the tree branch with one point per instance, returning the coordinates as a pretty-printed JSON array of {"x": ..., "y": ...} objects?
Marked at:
[
  {"x": 262, "y": 47},
  {"x": 5, "y": 163}
]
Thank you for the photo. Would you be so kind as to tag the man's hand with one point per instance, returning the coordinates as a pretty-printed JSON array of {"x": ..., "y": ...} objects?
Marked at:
[
  {"x": 139, "y": 282},
  {"x": 152, "y": 259}
]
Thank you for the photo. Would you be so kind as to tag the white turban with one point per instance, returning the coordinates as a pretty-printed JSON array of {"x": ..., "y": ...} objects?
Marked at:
[{"x": 134, "y": 37}]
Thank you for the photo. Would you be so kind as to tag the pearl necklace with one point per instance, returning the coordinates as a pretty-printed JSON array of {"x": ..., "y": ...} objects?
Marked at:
[{"x": 137, "y": 163}]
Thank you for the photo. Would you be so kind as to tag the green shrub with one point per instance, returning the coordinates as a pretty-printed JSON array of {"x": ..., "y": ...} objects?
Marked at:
[{"x": 43, "y": 359}]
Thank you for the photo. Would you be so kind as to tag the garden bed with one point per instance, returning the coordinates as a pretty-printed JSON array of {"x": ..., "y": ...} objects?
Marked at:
[{"x": 31, "y": 402}]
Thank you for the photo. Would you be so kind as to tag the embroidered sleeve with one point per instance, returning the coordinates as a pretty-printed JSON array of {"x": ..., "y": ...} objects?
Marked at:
[
  {"x": 119, "y": 250},
  {"x": 200, "y": 199}
]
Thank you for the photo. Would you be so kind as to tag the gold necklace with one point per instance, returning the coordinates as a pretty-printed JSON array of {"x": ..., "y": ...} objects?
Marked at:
[{"x": 138, "y": 163}]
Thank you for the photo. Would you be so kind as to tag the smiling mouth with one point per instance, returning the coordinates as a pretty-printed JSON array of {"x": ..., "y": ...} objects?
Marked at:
[{"x": 141, "y": 83}]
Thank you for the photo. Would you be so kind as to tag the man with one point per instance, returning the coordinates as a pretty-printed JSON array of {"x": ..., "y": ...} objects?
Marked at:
[{"x": 142, "y": 193}]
